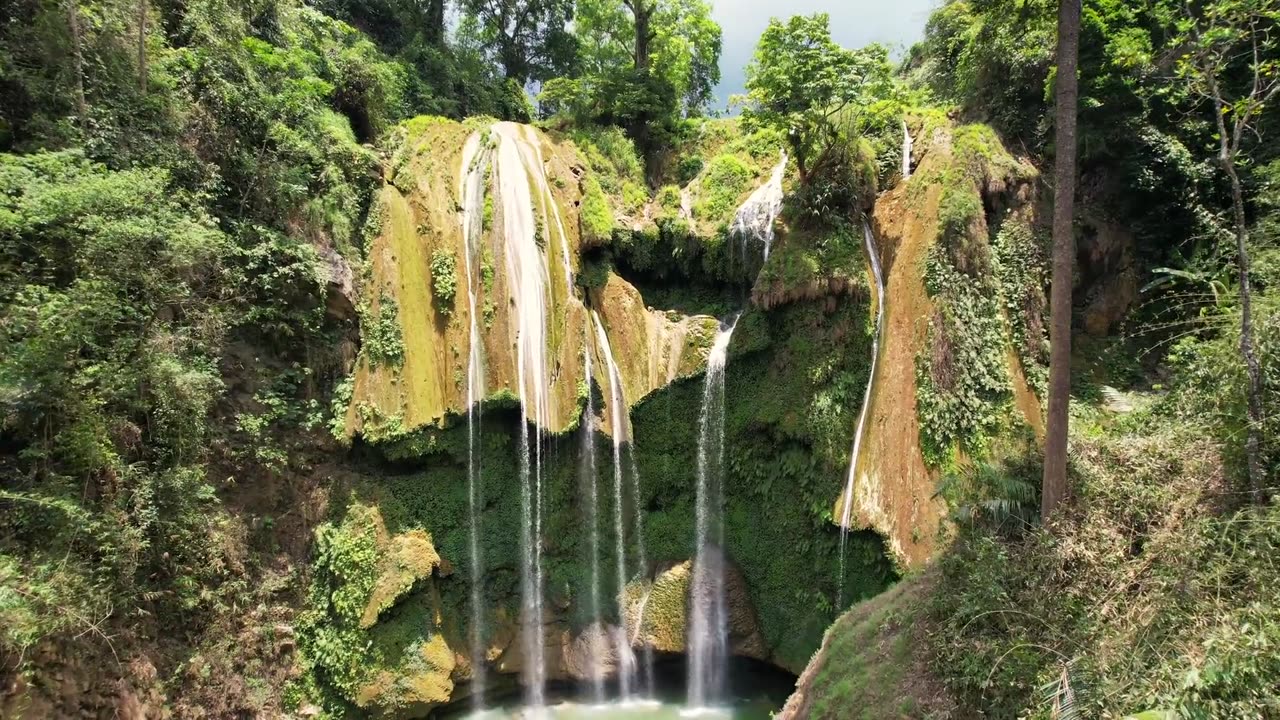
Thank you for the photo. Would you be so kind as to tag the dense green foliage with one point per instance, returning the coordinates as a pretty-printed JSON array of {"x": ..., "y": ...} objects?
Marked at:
[
  {"x": 1145, "y": 598},
  {"x": 800, "y": 79},
  {"x": 643, "y": 65},
  {"x": 185, "y": 187}
]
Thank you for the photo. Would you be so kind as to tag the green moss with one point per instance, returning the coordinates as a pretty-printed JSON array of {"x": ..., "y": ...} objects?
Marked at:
[
  {"x": 382, "y": 341},
  {"x": 596, "y": 217},
  {"x": 359, "y": 644},
  {"x": 813, "y": 258},
  {"x": 634, "y": 197},
  {"x": 726, "y": 180}
]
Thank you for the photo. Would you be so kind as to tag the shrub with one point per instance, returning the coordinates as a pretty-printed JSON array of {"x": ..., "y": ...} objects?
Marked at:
[
  {"x": 380, "y": 333},
  {"x": 444, "y": 280},
  {"x": 595, "y": 216},
  {"x": 727, "y": 178}
]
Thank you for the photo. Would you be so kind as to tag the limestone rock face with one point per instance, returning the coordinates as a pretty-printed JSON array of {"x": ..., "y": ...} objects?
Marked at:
[
  {"x": 657, "y": 610},
  {"x": 519, "y": 262},
  {"x": 653, "y": 348},
  {"x": 894, "y": 490},
  {"x": 594, "y": 649},
  {"x": 340, "y": 300}
]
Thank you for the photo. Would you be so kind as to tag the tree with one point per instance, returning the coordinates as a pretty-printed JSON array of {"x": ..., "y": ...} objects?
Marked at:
[
  {"x": 643, "y": 64},
  {"x": 676, "y": 41},
  {"x": 142, "y": 46},
  {"x": 1054, "y": 489},
  {"x": 1230, "y": 62},
  {"x": 77, "y": 60},
  {"x": 800, "y": 80},
  {"x": 528, "y": 38}
]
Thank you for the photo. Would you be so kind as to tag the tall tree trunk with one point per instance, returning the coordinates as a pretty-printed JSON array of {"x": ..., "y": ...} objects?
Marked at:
[
  {"x": 142, "y": 46},
  {"x": 642, "y": 11},
  {"x": 435, "y": 21},
  {"x": 1253, "y": 443},
  {"x": 77, "y": 62},
  {"x": 1054, "y": 489},
  {"x": 1227, "y": 150}
]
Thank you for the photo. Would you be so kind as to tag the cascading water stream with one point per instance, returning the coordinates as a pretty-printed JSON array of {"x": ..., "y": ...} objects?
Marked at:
[
  {"x": 906, "y": 152},
  {"x": 708, "y": 628},
  {"x": 626, "y": 658},
  {"x": 642, "y": 556},
  {"x": 846, "y": 516},
  {"x": 590, "y": 481},
  {"x": 529, "y": 280},
  {"x": 474, "y": 163},
  {"x": 755, "y": 218}
]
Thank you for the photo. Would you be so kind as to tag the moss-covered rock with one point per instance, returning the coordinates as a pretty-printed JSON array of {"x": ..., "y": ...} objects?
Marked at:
[
  {"x": 411, "y": 373},
  {"x": 945, "y": 381},
  {"x": 657, "y": 611},
  {"x": 371, "y": 636}
]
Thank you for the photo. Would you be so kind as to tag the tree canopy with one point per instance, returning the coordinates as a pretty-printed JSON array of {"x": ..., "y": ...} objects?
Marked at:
[{"x": 800, "y": 81}]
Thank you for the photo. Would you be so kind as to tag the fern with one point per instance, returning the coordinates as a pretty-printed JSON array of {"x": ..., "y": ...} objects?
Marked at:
[{"x": 993, "y": 495}]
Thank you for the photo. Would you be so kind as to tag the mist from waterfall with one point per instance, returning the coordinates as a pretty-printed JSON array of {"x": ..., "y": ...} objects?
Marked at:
[
  {"x": 709, "y": 627},
  {"x": 846, "y": 515},
  {"x": 755, "y": 218},
  {"x": 475, "y": 159}
]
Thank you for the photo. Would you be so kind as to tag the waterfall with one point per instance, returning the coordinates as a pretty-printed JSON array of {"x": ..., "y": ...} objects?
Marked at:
[
  {"x": 846, "y": 515},
  {"x": 529, "y": 280},
  {"x": 754, "y": 220},
  {"x": 906, "y": 152},
  {"x": 619, "y": 426},
  {"x": 642, "y": 559},
  {"x": 593, "y": 504},
  {"x": 539, "y": 176},
  {"x": 708, "y": 627},
  {"x": 474, "y": 162}
]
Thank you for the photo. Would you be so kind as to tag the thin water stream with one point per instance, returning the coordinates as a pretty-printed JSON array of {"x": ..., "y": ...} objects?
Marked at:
[
  {"x": 846, "y": 516},
  {"x": 617, "y": 415},
  {"x": 755, "y": 218},
  {"x": 708, "y": 627},
  {"x": 591, "y": 483}
]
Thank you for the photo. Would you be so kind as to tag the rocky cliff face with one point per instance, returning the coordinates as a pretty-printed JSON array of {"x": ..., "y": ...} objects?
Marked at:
[
  {"x": 962, "y": 287},
  {"x": 525, "y": 237}
]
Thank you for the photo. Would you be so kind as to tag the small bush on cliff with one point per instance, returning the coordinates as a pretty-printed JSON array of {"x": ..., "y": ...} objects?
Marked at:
[
  {"x": 380, "y": 334},
  {"x": 725, "y": 180},
  {"x": 444, "y": 280},
  {"x": 596, "y": 215}
]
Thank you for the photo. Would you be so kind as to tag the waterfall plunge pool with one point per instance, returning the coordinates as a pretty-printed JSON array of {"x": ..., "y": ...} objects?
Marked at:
[{"x": 756, "y": 690}]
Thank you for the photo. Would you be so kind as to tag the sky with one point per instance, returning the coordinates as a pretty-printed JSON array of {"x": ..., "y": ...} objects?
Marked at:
[{"x": 854, "y": 23}]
